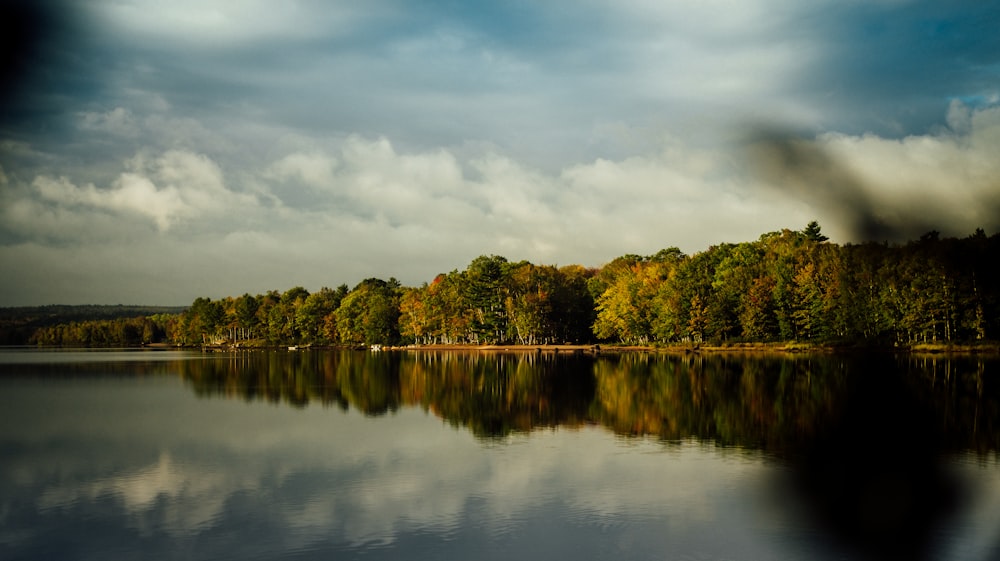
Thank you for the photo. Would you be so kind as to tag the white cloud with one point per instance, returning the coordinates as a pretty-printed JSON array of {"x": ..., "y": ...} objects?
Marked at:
[
  {"x": 371, "y": 210},
  {"x": 959, "y": 117},
  {"x": 173, "y": 186},
  {"x": 314, "y": 169},
  {"x": 133, "y": 193},
  {"x": 489, "y": 203},
  {"x": 33, "y": 219},
  {"x": 185, "y": 133},
  {"x": 118, "y": 121}
]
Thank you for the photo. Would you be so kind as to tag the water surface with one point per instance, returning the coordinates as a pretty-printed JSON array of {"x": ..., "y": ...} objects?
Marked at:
[{"x": 319, "y": 455}]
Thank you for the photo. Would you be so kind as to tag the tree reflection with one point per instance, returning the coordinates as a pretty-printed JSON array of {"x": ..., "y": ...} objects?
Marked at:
[
  {"x": 863, "y": 436},
  {"x": 496, "y": 394},
  {"x": 772, "y": 403},
  {"x": 490, "y": 394},
  {"x": 754, "y": 402}
]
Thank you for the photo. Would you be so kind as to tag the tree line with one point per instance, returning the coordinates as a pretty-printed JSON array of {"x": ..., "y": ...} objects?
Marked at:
[{"x": 789, "y": 285}]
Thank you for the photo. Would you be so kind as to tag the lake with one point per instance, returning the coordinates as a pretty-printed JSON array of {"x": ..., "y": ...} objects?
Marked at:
[{"x": 142, "y": 454}]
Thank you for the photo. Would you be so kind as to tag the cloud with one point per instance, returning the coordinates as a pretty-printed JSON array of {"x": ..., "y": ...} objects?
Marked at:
[
  {"x": 889, "y": 67},
  {"x": 488, "y": 202},
  {"x": 118, "y": 121},
  {"x": 405, "y": 139},
  {"x": 534, "y": 80},
  {"x": 132, "y": 193},
  {"x": 314, "y": 169},
  {"x": 369, "y": 209},
  {"x": 173, "y": 186},
  {"x": 223, "y": 23}
]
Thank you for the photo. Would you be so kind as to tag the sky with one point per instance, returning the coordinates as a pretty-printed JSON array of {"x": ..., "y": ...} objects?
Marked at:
[{"x": 155, "y": 152}]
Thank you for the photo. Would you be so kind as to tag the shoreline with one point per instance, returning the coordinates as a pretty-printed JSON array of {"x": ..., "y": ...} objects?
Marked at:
[
  {"x": 984, "y": 348},
  {"x": 777, "y": 348}
]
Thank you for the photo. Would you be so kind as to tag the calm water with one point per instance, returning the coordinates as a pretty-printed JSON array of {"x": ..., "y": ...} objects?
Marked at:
[{"x": 419, "y": 456}]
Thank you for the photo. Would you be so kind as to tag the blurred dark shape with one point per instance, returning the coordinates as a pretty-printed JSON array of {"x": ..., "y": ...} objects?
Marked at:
[
  {"x": 22, "y": 31},
  {"x": 35, "y": 41},
  {"x": 804, "y": 169},
  {"x": 873, "y": 477}
]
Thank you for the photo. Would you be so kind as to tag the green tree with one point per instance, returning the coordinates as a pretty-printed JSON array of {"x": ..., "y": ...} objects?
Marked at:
[
  {"x": 369, "y": 314},
  {"x": 572, "y": 304},
  {"x": 312, "y": 316},
  {"x": 485, "y": 286},
  {"x": 245, "y": 308},
  {"x": 812, "y": 232}
]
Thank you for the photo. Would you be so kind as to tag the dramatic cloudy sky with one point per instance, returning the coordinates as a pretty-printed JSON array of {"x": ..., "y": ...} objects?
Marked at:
[{"x": 152, "y": 152}]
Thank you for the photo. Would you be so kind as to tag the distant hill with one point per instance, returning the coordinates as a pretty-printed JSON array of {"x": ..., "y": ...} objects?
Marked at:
[{"x": 18, "y": 323}]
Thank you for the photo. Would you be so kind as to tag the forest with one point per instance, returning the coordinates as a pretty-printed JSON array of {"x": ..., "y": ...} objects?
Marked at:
[
  {"x": 86, "y": 325},
  {"x": 789, "y": 285}
]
